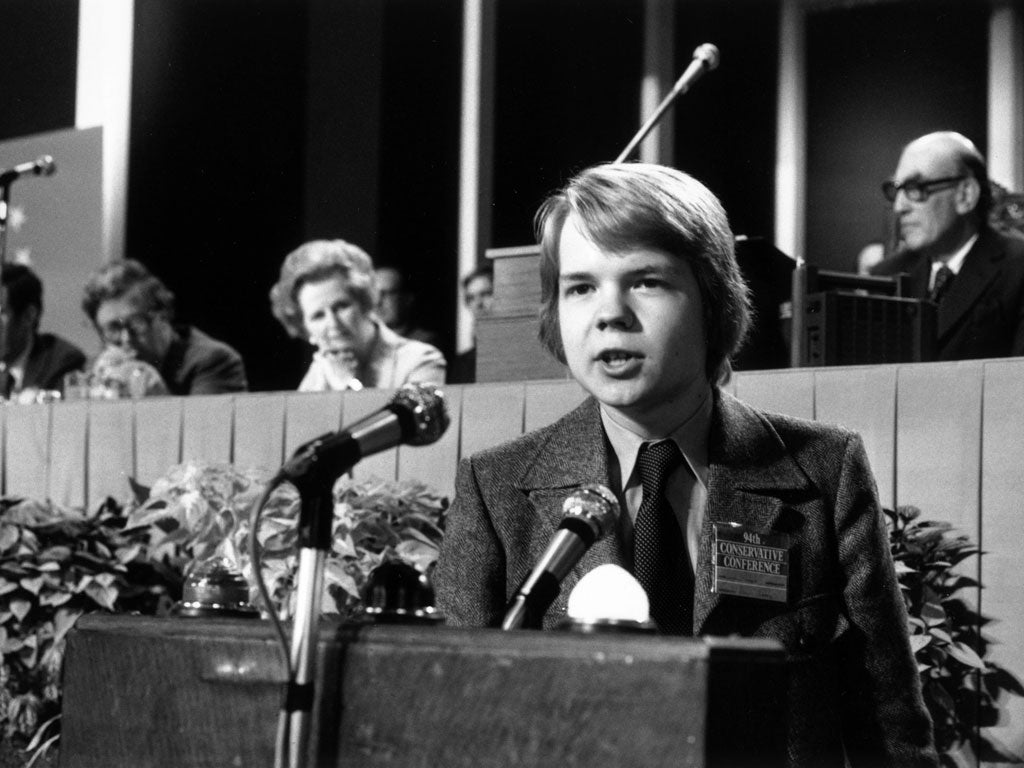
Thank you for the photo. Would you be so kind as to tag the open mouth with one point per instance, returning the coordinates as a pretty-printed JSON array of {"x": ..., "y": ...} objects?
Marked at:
[
  {"x": 335, "y": 347},
  {"x": 616, "y": 356}
]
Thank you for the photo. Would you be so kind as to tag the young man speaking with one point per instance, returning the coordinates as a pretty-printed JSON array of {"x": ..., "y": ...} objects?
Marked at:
[{"x": 642, "y": 298}]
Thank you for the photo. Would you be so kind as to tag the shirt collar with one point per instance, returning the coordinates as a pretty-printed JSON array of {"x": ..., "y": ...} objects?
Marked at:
[
  {"x": 957, "y": 259},
  {"x": 691, "y": 437}
]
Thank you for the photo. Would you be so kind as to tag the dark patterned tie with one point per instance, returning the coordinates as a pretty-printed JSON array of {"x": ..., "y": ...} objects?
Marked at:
[
  {"x": 943, "y": 279},
  {"x": 660, "y": 558}
]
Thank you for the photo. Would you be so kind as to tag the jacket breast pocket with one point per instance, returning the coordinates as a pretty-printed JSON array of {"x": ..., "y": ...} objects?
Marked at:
[{"x": 810, "y": 628}]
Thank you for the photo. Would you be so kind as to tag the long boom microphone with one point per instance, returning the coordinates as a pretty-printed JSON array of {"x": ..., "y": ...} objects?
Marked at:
[
  {"x": 41, "y": 166},
  {"x": 705, "y": 59},
  {"x": 590, "y": 514},
  {"x": 416, "y": 415}
]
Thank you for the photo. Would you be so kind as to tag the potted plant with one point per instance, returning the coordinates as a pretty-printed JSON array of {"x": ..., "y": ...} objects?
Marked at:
[{"x": 961, "y": 687}]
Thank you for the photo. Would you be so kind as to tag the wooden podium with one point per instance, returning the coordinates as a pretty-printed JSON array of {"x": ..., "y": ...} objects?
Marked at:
[{"x": 146, "y": 692}]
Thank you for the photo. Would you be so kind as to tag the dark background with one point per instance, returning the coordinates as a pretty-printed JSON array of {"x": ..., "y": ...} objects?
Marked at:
[{"x": 257, "y": 126}]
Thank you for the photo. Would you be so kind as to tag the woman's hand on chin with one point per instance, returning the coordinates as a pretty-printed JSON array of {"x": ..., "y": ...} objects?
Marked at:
[{"x": 338, "y": 369}]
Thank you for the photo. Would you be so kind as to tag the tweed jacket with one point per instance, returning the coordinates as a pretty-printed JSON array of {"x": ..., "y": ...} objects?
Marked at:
[
  {"x": 982, "y": 314},
  {"x": 854, "y": 687}
]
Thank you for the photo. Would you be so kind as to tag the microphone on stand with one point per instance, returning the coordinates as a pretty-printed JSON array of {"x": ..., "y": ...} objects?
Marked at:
[
  {"x": 590, "y": 514},
  {"x": 705, "y": 59},
  {"x": 41, "y": 166},
  {"x": 416, "y": 415}
]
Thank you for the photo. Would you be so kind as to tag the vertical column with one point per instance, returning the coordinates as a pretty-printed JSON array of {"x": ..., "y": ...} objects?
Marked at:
[
  {"x": 476, "y": 145},
  {"x": 659, "y": 60},
  {"x": 791, "y": 149},
  {"x": 1006, "y": 96},
  {"x": 103, "y": 98}
]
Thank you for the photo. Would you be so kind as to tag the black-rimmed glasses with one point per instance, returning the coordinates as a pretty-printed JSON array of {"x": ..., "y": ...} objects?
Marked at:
[
  {"x": 134, "y": 325},
  {"x": 918, "y": 190}
]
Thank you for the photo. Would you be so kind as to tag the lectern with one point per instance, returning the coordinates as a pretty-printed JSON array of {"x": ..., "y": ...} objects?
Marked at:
[{"x": 146, "y": 692}]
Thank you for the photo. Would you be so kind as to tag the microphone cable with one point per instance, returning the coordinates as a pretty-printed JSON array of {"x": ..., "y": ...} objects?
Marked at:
[{"x": 255, "y": 512}]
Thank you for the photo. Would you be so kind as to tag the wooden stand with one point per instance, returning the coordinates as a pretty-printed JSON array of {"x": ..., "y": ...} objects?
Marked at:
[
  {"x": 506, "y": 340},
  {"x": 193, "y": 692}
]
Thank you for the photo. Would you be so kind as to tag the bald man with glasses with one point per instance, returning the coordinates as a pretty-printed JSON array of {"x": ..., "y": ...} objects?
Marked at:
[{"x": 941, "y": 197}]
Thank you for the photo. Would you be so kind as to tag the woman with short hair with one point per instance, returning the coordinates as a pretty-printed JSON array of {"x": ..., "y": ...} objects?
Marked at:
[{"x": 326, "y": 294}]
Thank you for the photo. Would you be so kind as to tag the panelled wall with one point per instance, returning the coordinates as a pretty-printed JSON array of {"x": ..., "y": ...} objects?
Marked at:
[{"x": 946, "y": 437}]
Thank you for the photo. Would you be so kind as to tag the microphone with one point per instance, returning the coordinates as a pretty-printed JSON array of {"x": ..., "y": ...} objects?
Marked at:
[
  {"x": 41, "y": 166},
  {"x": 705, "y": 59},
  {"x": 590, "y": 514},
  {"x": 609, "y": 594},
  {"x": 416, "y": 415}
]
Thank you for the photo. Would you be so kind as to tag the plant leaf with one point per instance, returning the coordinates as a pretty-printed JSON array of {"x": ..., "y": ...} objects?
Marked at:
[
  {"x": 63, "y": 621},
  {"x": 941, "y": 634},
  {"x": 20, "y": 608},
  {"x": 933, "y": 613},
  {"x": 917, "y": 642},
  {"x": 32, "y": 585},
  {"x": 965, "y": 655}
]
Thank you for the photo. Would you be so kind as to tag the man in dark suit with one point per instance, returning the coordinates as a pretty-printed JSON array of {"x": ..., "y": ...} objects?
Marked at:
[
  {"x": 478, "y": 299},
  {"x": 941, "y": 200},
  {"x": 31, "y": 360},
  {"x": 642, "y": 297}
]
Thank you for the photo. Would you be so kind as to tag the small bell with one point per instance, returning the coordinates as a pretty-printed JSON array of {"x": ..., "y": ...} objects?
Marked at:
[{"x": 396, "y": 593}]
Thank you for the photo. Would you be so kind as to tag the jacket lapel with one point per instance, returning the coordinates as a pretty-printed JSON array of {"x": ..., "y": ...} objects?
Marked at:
[
  {"x": 751, "y": 475},
  {"x": 575, "y": 454},
  {"x": 37, "y": 358},
  {"x": 978, "y": 270},
  {"x": 920, "y": 276}
]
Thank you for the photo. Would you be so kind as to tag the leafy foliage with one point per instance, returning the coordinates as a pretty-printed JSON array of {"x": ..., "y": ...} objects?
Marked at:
[
  {"x": 961, "y": 688},
  {"x": 56, "y": 564},
  {"x": 197, "y": 512},
  {"x": 375, "y": 522}
]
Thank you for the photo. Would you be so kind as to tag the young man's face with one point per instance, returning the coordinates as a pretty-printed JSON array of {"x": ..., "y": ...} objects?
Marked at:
[{"x": 633, "y": 331}]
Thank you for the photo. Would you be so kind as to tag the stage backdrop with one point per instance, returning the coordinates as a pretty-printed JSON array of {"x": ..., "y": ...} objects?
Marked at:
[{"x": 55, "y": 224}]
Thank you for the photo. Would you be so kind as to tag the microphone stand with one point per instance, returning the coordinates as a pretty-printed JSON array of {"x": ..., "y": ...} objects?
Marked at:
[
  {"x": 5, "y": 196},
  {"x": 705, "y": 58},
  {"x": 316, "y": 514},
  {"x": 649, "y": 124}
]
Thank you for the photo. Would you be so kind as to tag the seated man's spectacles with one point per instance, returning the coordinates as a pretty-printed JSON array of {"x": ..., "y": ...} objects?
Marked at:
[
  {"x": 134, "y": 325},
  {"x": 919, "y": 190}
]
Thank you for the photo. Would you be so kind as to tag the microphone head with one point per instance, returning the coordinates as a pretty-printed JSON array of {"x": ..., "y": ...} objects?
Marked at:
[
  {"x": 421, "y": 413},
  {"x": 708, "y": 54},
  {"x": 45, "y": 166},
  {"x": 595, "y": 505},
  {"x": 609, "y": 593}
]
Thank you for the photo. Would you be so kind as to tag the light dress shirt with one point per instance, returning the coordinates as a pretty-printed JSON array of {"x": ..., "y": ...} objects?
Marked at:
[
  {"x": 393, "y": 361},
  {"x": 687, "y": 487}
]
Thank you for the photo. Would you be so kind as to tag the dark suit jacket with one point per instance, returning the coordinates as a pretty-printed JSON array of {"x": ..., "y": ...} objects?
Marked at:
[
  {"x": 50, "y": 358},
  {"x": 197, "y": 364},
  {"x": 982, "y": 313},
  {"x": 854, "y": 683}
]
